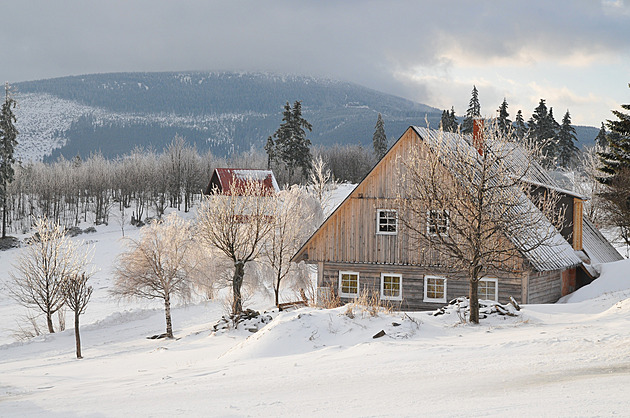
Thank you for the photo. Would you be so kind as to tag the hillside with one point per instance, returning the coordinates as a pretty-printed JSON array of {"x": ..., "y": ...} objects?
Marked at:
[
  {"x": 224, "y": 112},
  {"x": 318, "y": 362}
]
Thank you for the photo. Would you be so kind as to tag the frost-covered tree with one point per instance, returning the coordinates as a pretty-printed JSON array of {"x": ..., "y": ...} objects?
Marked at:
[
  {"x": 463, "y": 204},
  {"x": 379, "y": 139},
  {"x": 295, "y": 219},
  {"x": 473, "y": 111},
  {"x": 236, "y": 223},
  {"x": 8, "y": 142},
  {"x": 77, "y": 294},
  {"x": 321, "y": 183},
  {"x": 50, "y": 258},
  {"x": 159, "y": 265}
]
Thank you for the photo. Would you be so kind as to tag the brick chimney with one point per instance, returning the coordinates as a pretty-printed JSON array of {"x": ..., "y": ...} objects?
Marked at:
[{"x": 478, "y": 134}]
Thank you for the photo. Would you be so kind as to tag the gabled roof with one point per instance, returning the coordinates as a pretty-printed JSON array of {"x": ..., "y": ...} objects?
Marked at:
[
  {"x": 596, "y": 246},
  {"x": 225, "y": 179},
  {"x": 556, "y": 253}
]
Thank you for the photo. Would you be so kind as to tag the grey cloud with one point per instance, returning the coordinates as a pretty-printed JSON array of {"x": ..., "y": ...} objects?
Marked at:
[{"x": 360, "y": 41}]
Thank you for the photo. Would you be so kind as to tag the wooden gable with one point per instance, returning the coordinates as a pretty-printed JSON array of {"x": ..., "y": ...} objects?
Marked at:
[{"x": 350, "y": 233}]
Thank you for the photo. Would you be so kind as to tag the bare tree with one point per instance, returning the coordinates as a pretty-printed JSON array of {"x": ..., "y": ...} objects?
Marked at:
[
  {"x": 321, "y": 183},
  {"x": 160, "y": 265},
  {"x": 295, "y": 220},
  {"x": 236, "y": 223},
  {"x": 471, "y": 202},
  {"x": 77, "y": 294},
  {"x": 585, "y": 182},
  {"x": 41, "y": 268}
]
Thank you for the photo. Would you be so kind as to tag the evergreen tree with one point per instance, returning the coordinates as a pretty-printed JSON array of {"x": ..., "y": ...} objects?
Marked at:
[
  {"x": 449, "y": 120},
  {"x": 270, "y": 147},
  {"x": 379, "y": 139},
  {"x": 601, "y": 139},
  {"x": 567, "y": 151},
  {"x": 474, "y": 111},
  {"x": 543, "y": 133},
  {"x": 504, "y": 124},
  {"x": 8, "y": 142},
  {"x": 291, "y": 145},
  {"x": 617, "y": 155},
  {"x": 520, "y": 128}
]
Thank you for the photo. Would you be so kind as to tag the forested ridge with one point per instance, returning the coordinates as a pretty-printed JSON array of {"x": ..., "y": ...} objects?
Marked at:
[{"x": 224, "y": 112}]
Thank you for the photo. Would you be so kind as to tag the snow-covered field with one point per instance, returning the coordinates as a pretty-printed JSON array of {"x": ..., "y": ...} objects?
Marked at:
[{"x": 565, "y": 359}]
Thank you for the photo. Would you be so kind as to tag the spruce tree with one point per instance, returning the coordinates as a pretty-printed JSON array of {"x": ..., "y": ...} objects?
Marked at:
[
  {"x": 291, "y": 145},
  {"x": 617, "y": 155},
  {"x": 449, "y": 120},
  {"x": 474, "y": 111},
  {"x": 504, "y": 124},
  {"x": 543, "y": 133},
  {"x": 567, "y": 151},
  {"x": 270, "y": 147},
  {"x": 520, "y": 128},
  {"x": 379, "y": 139},
  {"x": 601, "y": 139},
  {"x": 8, "y": 142}
]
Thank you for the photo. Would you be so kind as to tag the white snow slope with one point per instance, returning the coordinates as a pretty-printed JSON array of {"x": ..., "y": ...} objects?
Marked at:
[{"x": 570, "y": 359}]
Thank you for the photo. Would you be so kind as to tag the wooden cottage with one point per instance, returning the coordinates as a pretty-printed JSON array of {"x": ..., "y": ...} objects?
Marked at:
[
  {"x": 361, "y": 245},
  {"x": 229, "y": 180}
]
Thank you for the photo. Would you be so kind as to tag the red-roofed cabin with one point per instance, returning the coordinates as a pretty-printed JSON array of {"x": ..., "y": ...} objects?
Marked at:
[{"x": 227, "y": 180}]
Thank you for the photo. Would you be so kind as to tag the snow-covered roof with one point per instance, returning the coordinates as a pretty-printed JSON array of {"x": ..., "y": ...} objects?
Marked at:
[
  {"x": 556, "y": 253},
  {"x": 226, "y": 178},
  {"x": 596, "y": 246}
]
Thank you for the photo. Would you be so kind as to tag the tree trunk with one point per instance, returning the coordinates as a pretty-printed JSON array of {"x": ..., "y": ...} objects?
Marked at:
[
  {"x": 237, "y": 282},
  {"x": 77, "y": 337},
  {"x": 276, "y": 289},
  {"x": 4, "y": 213},
  {"x": 167, "y": 312},
  {"x": 49, "y": 322},
  {"x": 474, "y": 302}
]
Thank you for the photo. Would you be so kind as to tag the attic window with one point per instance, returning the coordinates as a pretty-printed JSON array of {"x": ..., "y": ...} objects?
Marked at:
[
  {"x": 437, "y": 222},
  {"x": 386, "y": 221}
]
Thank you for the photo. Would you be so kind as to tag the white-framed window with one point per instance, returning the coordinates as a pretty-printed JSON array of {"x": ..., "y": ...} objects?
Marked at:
[
  {"x": 348, "y": 284},
  {"x": 434, "y": 289},
  {"x": 386, "y": 221},
  {"x": 391, "y": 286},
  {"x": 488, "y": 289},
  {"x": 438, "y": 222}
]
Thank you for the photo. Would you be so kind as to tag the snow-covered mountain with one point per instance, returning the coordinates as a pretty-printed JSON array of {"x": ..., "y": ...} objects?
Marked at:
[{"x": 224, "y": 112}]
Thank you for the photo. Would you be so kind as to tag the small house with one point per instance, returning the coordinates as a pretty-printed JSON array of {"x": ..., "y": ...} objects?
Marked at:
[
  {"x": 229, "y": 180},
  {"x": 362, "y": 246}
]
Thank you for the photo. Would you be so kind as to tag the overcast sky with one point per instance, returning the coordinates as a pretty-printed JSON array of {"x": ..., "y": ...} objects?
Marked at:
[{"x": 574, "y": 54}]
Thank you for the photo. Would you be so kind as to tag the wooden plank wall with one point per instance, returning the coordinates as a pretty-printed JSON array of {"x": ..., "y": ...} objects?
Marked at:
[
  {"x": 413, "y": 283},
  {"x": 544, "y": 287}
]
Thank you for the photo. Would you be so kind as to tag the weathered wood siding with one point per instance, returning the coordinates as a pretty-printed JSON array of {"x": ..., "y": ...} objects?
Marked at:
[
  {"x": 412, "y": 283},
  {"x": 544, "y": 287}
]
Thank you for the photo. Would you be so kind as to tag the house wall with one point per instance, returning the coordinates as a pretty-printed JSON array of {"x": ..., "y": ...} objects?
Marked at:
[
  {"x": 412, "y": 283},
  {"x": 544, "y": 287}
]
